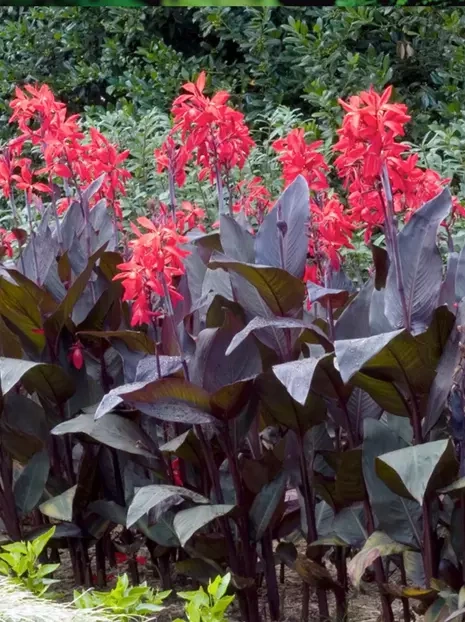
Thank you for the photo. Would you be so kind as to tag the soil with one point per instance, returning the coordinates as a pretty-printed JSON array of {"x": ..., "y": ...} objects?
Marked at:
[{"x": 364, "y": 606}]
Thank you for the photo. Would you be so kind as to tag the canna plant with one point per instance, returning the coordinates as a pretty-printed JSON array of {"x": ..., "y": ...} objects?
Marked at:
[{"x": 223, "y": 392}]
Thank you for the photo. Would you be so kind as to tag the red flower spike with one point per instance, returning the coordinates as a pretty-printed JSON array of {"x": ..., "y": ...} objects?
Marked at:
[
  {"x": 367, "y": 141},
  {"x": 156, "y": 257},
  {"x": 300, "y": 158},
  {"x": 210, "y": 130},
  {"x": 63, "y": 148}
]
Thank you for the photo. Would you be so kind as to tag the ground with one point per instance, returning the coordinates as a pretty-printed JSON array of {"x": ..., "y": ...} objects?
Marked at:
[{"x": 363, "y": 607}]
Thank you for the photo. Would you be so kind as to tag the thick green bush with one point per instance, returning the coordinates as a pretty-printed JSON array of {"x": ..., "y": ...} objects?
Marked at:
[{"x": 299, "y": 57}]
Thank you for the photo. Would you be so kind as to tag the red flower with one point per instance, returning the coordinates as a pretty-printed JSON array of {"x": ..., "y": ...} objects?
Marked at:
[
  {"x": 25, "y": 182},
  {"x": 299, "y": 158},
  {"x": 156, "y": 259},
  {"x": 367, "y": 142},
  {"x": 214, "y": 132},
  {"x": 174, "y": 158},
  {"x": 44, "y": 122},
  {"x": 75, "y": 355},
  {"x": 177, "y": 480},
  {"x": 254, "y": 199}
]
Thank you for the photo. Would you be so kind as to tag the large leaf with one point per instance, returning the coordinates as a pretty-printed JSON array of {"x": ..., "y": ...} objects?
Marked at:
[
  {"x": 378, "y": 545},
  {"x": 400, "y": 518},
  {"x": 420, "y": 264},
  {"x": 187, "y": 522},
  {"x": 350, "y": 525},
  {"x": 138, "y": 391},
  {"x": 444, "y": 378},
  {"x": 49, "y": 381},
  {"x": 60, "y": 507},
  {"x": 389, "y": 366},
  {"x": 316, "y": 373},
  {"x": 149, "y": 497},
  {"x": 111, "y": 430},
  {"x": 30, "y": 484},
  {"x": 56, "y": 321},
  {"x": 134, "y": 340},
  {"x": 414, "y": 472},
  {"x": 265, "y": 504},
  {"x": 21, "y": 309},
  {"x": 237, "y": 243},
  {"x": 313, "y": 334},
  {"x": 283, "y": 293},
  {"x": 354, "y": 321},
  {"x": 278, "y": 406},
  {"x": 212, "y": 369},
  {"x": 281, "y": 240}
]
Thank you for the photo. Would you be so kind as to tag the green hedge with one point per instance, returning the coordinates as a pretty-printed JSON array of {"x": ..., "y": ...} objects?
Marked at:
[{"x": 299, "y": 57}]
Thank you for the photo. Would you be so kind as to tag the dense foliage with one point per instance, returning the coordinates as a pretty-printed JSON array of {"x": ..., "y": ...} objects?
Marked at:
[
  {"x": 107, "y": 57},
  {"x": 215, "y": 389}
]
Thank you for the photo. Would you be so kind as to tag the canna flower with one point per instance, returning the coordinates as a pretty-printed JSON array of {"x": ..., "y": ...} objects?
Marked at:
[
  {"x": 212, "y": 131},
  {"x": 24, "y": 181},
  {"x": 75, "y": 355},
  {"x": 148, "y": 276},
  {"x": 172, "y": 157},
  {"x": 367, "y": 142},
  {"x": 44, "y": 122},
  {"x": 254, "y": 199},
  {"x": 299, "y": 158}
]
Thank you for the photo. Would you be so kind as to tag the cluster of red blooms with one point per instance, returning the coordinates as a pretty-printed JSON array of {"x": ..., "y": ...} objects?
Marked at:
[
  {"x": 254, "y": 200},
  {"x": 330, "y": 227},
  {"x": 147, "y": 277},
  {"x": 208, "y": 129},
  {"x": 44, "y": 123},
  {"x": 368, "y": 142}
]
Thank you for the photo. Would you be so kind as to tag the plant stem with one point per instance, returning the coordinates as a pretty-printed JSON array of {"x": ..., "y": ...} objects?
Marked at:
[
  {"x": 33, "y": 238},
  {"x": 209, "y": 460},
  {"x": 172, "y": 192},
  {"x": 394, "y": 243},
  {"x": 312, "y": 533},
  {"x": 403, "y": 578},
  {"x": 55, "y": 215},
  {"x": 272, "y": 590},
  {"x": 219, "y": 190}
]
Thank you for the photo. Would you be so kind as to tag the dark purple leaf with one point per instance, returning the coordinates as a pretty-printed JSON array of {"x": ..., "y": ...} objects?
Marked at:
[
  {"x": 286, "y": 246},
  {"x": 421, "y": 266},
  {"x": 237, "y": 243}
]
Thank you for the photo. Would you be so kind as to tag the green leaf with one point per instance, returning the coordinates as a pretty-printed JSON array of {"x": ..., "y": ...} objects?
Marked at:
[
  {"x": 60, "y": 507},
  {"x": 188, "y": 522},
  {"x": 265, "y": 504},
  {"x": 282, "y": 292},
  {"x": 39, "y": 543},
  {"x": 149, "y": 497},
  {"x": 378, "y": 545},
  {"x": 414, "y": 472},
  {"x": 20, "y": 307},
  {"x": 111, "y": 430},
  {"x": 30, "y": 484}
]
